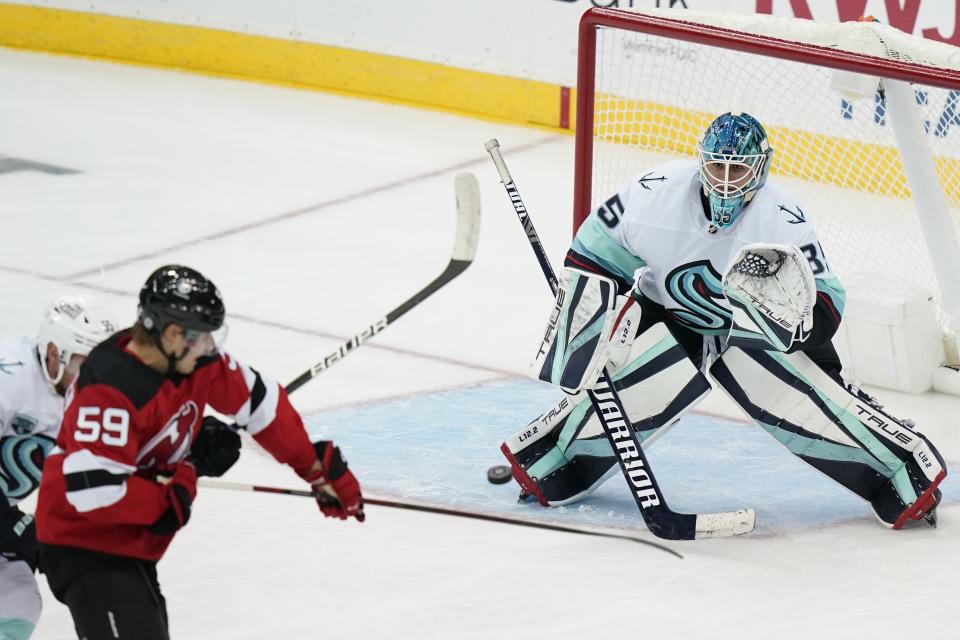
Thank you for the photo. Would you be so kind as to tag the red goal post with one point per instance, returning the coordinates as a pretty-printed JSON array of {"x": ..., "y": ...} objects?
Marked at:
[{"x": 885, "y": 197}]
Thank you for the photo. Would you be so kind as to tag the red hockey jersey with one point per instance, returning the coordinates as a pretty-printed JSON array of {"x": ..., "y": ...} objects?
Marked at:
[{"x": 124, "y": 424}]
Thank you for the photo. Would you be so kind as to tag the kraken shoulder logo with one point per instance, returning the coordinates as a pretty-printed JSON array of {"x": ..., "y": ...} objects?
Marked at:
[
  {"x": 698, "y": 289},
  {"x": 6, "y": 367},
  {"x": 645, "y": 178},
  {"x": 796, "y": 217}
]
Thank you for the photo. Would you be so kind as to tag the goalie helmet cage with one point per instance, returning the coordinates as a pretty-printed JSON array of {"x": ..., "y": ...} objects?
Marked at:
[{"x": 853, "y": 150}]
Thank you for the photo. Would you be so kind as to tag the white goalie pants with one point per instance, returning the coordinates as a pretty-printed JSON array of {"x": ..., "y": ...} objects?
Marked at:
[{"x": 19, "y": 600}]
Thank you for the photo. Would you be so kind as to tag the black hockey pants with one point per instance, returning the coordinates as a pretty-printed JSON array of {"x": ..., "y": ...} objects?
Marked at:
[{"x": 109, "y": 596}]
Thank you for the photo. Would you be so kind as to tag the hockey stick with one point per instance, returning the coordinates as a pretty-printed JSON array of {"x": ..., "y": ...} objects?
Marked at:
[
  {"x": 445, "y": 511},
  {"x": 464, "y": 248},
  {"x": 657, "y": 515}
]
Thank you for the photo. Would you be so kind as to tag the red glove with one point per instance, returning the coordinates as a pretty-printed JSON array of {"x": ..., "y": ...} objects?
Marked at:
[
  {"x": 336, "y": 476},
  {"x": 181, "y": 491}
]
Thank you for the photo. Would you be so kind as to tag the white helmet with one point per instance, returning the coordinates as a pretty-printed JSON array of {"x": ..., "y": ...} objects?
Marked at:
[{"x": 75, "y": 325}]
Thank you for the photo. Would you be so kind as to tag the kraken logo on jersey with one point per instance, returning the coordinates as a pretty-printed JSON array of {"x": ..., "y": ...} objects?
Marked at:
[
  {"x": 21, "y": 463},
  {"x": 696, "y": 287}
]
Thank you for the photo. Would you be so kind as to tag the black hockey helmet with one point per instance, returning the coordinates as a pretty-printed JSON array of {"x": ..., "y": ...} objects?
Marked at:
[{"x": 175, "y": 294}]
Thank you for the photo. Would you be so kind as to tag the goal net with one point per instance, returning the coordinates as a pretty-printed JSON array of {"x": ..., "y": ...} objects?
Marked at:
[{"x": 649, "y": 83}]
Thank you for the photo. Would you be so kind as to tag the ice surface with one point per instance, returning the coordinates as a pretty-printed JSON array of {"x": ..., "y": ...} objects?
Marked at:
[
  {"x": 316, "y": 214},
  {"x": 436, "y": 448}
]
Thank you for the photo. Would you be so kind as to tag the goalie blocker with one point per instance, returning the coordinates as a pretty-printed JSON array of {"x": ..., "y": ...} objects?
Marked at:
[{"x": 576, "y": 342}]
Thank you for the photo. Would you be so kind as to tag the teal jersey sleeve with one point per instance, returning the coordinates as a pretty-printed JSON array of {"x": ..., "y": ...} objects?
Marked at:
[
  {"x": 832, "y": 289},
  {"x": 595, "y": 249},
  {"x": 831, "y": 296}
]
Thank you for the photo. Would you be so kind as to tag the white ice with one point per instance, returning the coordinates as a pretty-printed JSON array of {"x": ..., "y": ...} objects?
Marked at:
[{"x": 315, "y": 214}]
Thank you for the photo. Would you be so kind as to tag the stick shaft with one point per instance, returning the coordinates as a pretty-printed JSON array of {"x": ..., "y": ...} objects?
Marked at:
[
  {"x": 464, "y": 248},
  {"x": 445, "y": 511},
  {"x": 454, "y": 268}
]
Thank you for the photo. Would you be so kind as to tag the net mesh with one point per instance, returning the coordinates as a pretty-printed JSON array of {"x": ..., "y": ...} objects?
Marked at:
[{"x": 654, "y": 97}]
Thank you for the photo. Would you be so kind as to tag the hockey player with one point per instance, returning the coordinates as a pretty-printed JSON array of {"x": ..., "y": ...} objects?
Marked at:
[
  {"x": 35, "y": 372},
  {"x": 719, "y": 266},
  {"x": 122, "y": 479}
]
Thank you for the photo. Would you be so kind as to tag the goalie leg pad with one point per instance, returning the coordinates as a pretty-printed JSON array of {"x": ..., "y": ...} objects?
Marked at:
[
  {"x": 564, "y": 455},
  {"x": 840, "y": 433},
  {"x": 538, "y": 442}
]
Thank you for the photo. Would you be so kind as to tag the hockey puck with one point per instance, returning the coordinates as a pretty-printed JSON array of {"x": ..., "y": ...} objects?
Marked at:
[{"x": 499, "y": 474}]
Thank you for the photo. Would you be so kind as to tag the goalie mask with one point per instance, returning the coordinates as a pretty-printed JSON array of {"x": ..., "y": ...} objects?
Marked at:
[
  {"x": 74, "y": 325},
  {"x": 734, "y": 163}
]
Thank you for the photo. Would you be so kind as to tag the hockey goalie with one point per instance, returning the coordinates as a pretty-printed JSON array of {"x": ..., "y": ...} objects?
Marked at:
[{"x": 702, "y": 267}]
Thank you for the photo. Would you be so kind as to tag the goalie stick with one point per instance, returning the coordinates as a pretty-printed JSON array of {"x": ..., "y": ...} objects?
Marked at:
[
  {"x": 445, "y": 511},
  {"x": 662, "y": 521},
  {"x": 464, "y": 248}
]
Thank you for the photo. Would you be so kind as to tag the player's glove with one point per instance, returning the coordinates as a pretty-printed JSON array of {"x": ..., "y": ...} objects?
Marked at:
[
  {"x": 216, "y": 448},
  {"x": 338, "y": 492},
  {"x": 18, "y": 535},
  {"x": 181, "y": 491}
]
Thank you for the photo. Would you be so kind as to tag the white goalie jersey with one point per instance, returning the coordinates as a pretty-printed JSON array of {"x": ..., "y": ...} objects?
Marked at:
[
  {"x": 654, "y": 235},
  {"x": 30, "y": 414}
]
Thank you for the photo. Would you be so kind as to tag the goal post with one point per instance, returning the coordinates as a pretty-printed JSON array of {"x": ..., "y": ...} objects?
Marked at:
[{"x": 864, "y": 121}]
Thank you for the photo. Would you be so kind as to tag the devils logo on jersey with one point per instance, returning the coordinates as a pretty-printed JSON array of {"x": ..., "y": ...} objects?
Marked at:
[{"x": 172, "y": 443}]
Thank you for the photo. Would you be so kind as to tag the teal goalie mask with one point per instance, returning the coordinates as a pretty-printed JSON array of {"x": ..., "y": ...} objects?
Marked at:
[{"x": 734, "y": 163}]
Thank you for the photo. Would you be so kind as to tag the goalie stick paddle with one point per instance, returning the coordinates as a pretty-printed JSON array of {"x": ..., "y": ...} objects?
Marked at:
[
  {"x": 464, "y": 248},
  {"x": 662, "y": 521},
  {"x": 445, "y": 511}
]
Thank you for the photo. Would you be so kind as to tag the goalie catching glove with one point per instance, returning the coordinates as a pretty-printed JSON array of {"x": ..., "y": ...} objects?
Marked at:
[
  {"x": 336, "y": 488},
  {"x": 772, "y": 291},
  {"x": 589, "y": 327}
]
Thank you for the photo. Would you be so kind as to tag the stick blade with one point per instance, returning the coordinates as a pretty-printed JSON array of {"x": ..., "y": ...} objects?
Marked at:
[
  {"x": 468, "y": 217},
  {"x": 725, "y": 525}
]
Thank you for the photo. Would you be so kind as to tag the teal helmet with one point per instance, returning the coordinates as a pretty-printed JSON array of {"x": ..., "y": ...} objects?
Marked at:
[{"x": 734, "y": 163}]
